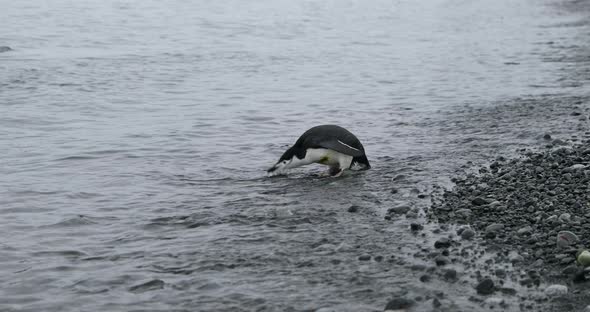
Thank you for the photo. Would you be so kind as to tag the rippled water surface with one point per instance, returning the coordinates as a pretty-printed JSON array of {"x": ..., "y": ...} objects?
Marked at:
[{"x": 135, "y": 135}]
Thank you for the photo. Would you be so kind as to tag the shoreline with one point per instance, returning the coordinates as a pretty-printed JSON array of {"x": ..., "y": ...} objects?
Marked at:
[{"x": 504, "y": 222}]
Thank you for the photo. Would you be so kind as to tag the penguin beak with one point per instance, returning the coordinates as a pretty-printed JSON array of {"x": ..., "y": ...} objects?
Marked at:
[{"x": 277, "y": 168}]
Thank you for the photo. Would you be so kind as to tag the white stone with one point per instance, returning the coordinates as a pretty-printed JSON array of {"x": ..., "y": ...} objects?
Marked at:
[
  {"x": 577, "y": 167},
  {"x": 555, "y": 290}
]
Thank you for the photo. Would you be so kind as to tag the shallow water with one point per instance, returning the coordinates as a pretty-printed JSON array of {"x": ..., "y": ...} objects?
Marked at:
[{"x": 135, "y": 135}]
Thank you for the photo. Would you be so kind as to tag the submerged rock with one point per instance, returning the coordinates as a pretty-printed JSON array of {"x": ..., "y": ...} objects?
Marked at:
[
  {"x": 416, "y": 227},
  {"x": 399, "y": 304},
  {"x": 485, "y": 287},
  {"x": 442, "y": 243},
  {"x": 401, "y": 209}
]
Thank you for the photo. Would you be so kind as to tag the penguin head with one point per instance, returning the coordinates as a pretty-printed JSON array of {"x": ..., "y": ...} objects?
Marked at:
[{"x": 291, "y": 158}]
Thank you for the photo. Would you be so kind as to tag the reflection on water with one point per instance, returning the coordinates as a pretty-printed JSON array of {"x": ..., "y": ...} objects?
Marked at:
[{"x": 135, "y": 137}]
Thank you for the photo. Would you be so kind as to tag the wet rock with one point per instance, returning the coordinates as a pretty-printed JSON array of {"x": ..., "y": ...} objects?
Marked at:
[
  {"x": 365, "y": 258},
  {"x": 442, "y": 243},
  {"x": 479, "y": 201},
  {"x": 582, "y": 275},
  {"x": 494, "y": 227},
  {"x": 555, "y": 290},
  {"x": 565, "y": 217},
  {"x": 463, "y": 213},
  {"x": 575, "y": 167},
  {"x": 353, "y": 208},
  {"x": 551, "y": 219},
  {"x": 425, "y": 278},
  {"x": 399, "y": 177},
  {"x": 526, "y": 230},
  {"x": 485, "y": 287},
  {"x": 399, "y": 304},
  {"x": 514, "y": 257},
  {"x": 436, "y": 303},
  {"x": 401, "y": 209},
  {"x": 547, "y": 136},
  {"x": 450, "y": 274},
  {"x": 418, "y": 267},
  {"x": 569, "y": 270},
  {"x": 508, "y": 291},
  {"x": 441, "y": 260},
  {"x": 415, "y": 227},
  {"x": 467, "y": 234}
]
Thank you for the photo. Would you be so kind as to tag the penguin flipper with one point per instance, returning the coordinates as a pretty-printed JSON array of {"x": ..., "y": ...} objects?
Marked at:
[{"x": 341, "y": 147}]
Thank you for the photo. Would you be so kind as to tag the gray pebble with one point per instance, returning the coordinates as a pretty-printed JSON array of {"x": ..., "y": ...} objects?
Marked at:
[
  {"x": 467, "y": 234},
  {"x": 526, "y": 230},
  {"x": 463, "y": 213},
  {"x": 479, "y": 201},
  {"x": 494, "y": 227},
  {"x": 565, "y": 217}
]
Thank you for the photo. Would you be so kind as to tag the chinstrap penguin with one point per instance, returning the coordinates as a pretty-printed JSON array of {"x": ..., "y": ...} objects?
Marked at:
[{"x": 328, "y": 145}]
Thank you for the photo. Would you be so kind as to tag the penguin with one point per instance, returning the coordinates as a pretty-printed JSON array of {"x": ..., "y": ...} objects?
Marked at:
[{"x": 328, "y": 145}]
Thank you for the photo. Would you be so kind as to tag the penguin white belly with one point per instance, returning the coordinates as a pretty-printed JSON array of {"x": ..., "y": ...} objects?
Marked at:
[{"x": 328, "y": 157}]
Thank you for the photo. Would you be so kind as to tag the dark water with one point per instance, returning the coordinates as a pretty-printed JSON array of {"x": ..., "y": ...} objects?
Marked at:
[{"x": 135, "y": 134}]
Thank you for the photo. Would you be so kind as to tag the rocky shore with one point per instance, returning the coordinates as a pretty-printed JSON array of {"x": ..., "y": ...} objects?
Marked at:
[{"x": 518, "y": 228}]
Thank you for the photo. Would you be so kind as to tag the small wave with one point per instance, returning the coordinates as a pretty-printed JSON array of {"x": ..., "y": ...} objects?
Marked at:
[
  {"x": 60, "y": 253},
  {"x": 73, "y": 222},
  {"x": 80, "y": 195},
  {"x": 147, "y": 286},
  {"x": 77, "y": 157}
]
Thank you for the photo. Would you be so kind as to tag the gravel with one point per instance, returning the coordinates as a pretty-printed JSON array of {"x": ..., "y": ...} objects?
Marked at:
[
  {"x": 533, "y": 214},
  {"x": 531, "y": 204}
]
